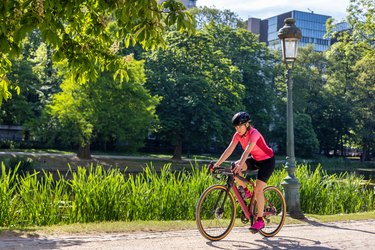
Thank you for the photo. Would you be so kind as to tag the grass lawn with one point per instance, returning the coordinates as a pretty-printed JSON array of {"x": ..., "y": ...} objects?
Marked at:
[{"x": 159, "y": 226}]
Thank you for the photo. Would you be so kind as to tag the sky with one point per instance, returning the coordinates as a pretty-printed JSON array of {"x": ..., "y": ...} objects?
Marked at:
[{"x": 267, "y": 8}]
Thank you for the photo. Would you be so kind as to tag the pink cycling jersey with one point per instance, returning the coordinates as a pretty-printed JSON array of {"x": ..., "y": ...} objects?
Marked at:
[{"x": 260, "y": 151}]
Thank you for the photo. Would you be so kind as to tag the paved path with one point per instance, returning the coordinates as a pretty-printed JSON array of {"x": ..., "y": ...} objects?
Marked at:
[{"x": 310, "y": 235}]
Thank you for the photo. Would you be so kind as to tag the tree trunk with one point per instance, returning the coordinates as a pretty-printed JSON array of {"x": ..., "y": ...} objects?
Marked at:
[
  {"x": 366, "y": 149},
  {"x": 342, "y": 146},
  {"x": 178, "y": 149},
  {"x": 84, "y": 151}
]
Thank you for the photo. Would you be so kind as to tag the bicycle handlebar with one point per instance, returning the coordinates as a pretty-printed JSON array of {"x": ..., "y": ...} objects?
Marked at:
[
  {"x": 223, "y": 171},
  {"x": 220, "y": 170}
]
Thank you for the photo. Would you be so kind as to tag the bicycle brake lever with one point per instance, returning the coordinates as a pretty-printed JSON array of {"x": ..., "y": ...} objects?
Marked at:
[{"x": 232, "y": 165}]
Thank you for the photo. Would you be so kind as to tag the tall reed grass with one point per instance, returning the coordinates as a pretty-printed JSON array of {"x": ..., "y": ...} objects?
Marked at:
[
  {"x": 322, "y": 193},
  {"x": 95, "y": 194}
]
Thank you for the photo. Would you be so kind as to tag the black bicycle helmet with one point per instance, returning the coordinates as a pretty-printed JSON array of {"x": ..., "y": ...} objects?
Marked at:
[{"x": 240, "y": 118}]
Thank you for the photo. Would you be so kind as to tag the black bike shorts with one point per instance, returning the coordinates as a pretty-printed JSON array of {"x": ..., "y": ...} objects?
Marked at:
[{"x": 266, "y": 167}]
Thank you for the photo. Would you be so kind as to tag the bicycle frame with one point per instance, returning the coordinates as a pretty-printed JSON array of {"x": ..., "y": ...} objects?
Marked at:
[
  {"x": 245, "y": 209},
  {"x": 232, "y": 186}
]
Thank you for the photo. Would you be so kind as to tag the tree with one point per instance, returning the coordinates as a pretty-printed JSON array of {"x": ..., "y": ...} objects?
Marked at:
[
  {"x": 309, "y": 80},
  {"x": 255, "y": 62},
  {"x": 363, "y": 99},
  {"x": 77, "y": 31},
  {"x": 24, "y": 106},
  {"x": 306, "y": 142},
  {"x": 253, "y": 59},
  {"x": 27, "y": 103},
  {"x": 200, "y": 91},
  {"x": 361, "y": 17},
  {"x": 205, "y": 15},
  {"x": 106, "y": 109},
  {"x": 314, "y": 96},
  {"x": 352, "y": 72},
  {"x": 362, "y": 20}
]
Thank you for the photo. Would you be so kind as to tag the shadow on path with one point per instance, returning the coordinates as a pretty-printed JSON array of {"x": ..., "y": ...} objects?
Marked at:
[
  {"x": 319, "y": 224},
  {"x": 31, "y": 241}
]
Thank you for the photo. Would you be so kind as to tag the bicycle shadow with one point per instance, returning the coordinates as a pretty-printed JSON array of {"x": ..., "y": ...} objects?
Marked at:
[{"x": 273, "y": 243}]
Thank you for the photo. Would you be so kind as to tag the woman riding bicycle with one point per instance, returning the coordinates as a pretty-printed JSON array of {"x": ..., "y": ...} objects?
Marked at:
[{"x": 261, "y": 157}]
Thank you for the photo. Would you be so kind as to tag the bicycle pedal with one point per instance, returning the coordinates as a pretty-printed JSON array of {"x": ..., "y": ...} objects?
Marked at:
[{"x": 244, "y": 220}]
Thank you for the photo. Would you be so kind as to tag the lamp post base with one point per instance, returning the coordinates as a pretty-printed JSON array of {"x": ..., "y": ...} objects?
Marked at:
[{"x": 291, "y": 193}]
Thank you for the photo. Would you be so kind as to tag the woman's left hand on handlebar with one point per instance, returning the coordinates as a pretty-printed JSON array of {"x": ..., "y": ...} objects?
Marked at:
[{"x": 237, "y": 169}]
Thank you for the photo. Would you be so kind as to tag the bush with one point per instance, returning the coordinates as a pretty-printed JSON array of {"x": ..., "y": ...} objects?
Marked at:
[
  {"x": 20, "y": 164},
  {"x": 8, "y": 144}
]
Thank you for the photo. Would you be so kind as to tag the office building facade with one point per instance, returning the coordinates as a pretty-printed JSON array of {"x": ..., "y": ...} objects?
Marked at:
[{"x": 313, "y": 28}]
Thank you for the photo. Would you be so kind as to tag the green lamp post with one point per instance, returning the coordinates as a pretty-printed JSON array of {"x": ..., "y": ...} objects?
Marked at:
[{"x": 289, "y": 36}]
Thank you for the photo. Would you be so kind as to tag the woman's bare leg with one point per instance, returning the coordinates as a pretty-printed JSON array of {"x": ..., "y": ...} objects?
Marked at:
[{"x": 259, "y": 196}]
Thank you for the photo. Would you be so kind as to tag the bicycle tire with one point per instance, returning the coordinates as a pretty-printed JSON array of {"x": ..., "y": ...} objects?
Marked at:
[
  {"x": 274, "y": 209},
  {"x": 213, "y": 222}
]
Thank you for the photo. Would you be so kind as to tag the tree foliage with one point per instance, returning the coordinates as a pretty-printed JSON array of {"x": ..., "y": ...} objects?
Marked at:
[
  {"x": 206, "y": 15},
  {"x": 32, "y": 71},
  {"x": 105, "y": 110},
  {"x": 362, "y": 20},
  {"x": 253, "y": 59},
  {"x": 77, "y": 31},
  {"x": 352, "y": 71},
  {"x": 200, "y": 90},
  {"x": 255, "y": 64}
]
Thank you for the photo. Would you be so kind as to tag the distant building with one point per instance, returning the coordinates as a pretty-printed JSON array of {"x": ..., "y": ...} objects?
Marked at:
[
  {"x": 313, "y": 28},
  {"x": 188, "y": 3}
]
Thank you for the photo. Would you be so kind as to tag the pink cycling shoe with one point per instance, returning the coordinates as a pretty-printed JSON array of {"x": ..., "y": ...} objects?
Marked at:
[{"x": 258, "y": 225}]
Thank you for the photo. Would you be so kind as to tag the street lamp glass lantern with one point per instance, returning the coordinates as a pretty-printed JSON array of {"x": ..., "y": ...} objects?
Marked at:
[
  {"x": 289, "y": 48},
  {"x": 289, "y": 36}
]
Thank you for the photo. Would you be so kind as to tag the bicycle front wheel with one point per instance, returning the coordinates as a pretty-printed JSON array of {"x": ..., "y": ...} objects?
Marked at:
[
  {"x": 215, "y": 212},
  {"x": 274, "y": 211}
]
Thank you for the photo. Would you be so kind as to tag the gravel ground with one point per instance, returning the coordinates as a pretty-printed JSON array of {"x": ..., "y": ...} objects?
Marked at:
[{"x": 309, "y": 235}]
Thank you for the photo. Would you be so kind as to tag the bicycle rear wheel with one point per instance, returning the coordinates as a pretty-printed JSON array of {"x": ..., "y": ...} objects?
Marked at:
[
  {"x": 215, "y": 213},
  {"x": 274, "y": 211}
]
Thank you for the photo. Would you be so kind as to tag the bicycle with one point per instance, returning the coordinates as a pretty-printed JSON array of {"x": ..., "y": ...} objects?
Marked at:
[{"x": 215, "y": 212}]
